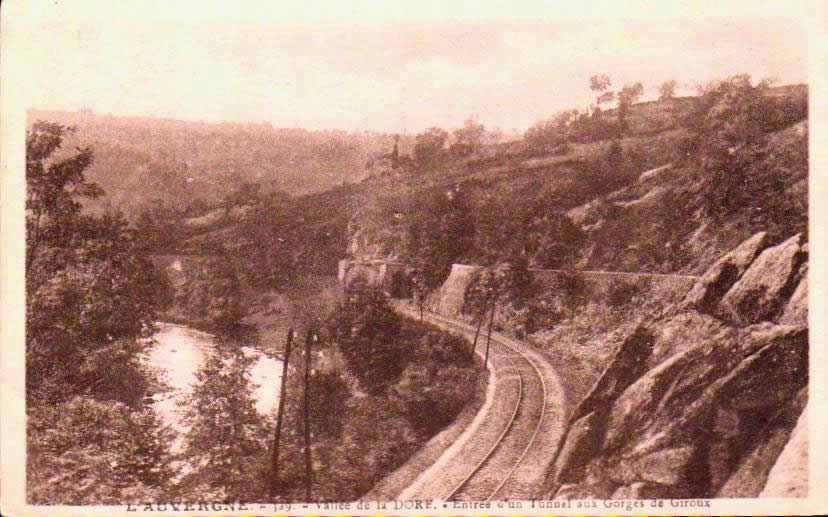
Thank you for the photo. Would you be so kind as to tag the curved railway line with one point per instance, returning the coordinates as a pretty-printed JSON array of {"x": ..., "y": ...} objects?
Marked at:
[{"x": 507, "y": 456}]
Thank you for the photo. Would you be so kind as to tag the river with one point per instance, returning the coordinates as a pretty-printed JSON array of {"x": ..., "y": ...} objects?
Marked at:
[{"x": 179, "y": 352}]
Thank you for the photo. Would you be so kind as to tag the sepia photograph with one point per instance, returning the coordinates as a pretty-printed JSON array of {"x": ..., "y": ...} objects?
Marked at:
[{"x": 450, "y": 263}]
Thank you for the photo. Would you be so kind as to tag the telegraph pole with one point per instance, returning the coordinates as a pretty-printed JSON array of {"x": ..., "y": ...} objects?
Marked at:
[
  {"x": 274, "y": 479},
  {"x": 489, "y": 337},
  {"x": 306, "y": 412}
]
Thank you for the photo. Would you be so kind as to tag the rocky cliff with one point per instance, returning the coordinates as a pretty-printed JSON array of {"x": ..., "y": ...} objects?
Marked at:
[{"x": 700, "y": 400}]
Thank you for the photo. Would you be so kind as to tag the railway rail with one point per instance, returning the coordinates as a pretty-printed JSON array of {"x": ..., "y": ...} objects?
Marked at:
[{"x": 504, "y": 458}]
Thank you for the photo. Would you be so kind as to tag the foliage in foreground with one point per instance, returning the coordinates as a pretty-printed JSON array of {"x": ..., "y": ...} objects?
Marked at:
[{"x": 91, "y": 301}]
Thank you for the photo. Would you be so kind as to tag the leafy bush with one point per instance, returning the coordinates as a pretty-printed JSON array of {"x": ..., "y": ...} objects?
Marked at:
[
  {"x": 621, "y": 292},
  {"x": 431, "y": 400},
  {"x": 731, "y": 120},
  {"x": 367, "y": 331},
  {"x": 85, "y": 452}
]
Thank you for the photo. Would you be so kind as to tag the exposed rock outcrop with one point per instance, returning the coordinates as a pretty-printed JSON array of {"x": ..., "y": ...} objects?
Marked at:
[
  {"x": 766, "y": 285},
  {"x": 395, "y": 278},
  {"x": 450, "y": 298},
  {"x": 699, "y": 401},
  {"x": 789, "y": 475},
  {"x": 749, "y": 478},
  {"x": 724, "y": 273},
  {"x": 796, "y": 311}
]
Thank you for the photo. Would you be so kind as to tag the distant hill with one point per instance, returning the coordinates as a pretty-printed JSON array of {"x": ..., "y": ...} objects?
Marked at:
[{"x": 141, "y": 159}]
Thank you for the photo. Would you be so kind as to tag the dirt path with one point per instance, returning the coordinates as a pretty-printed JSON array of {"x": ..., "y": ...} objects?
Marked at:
[{"x": 505, "y": 452}]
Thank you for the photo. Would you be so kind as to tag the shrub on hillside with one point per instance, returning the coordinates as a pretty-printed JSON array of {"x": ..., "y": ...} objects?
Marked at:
[
  {"x": 595, "y": 127},
  {"x": 367, "y": 331},
  {"x": 620, "y": 292},
  {"x": 546, "y": 135},
  {"x": 731, "y": 121},
  {"x": 571, "y": 287},
  {"x": 599, "y": 174},
  {"x": 439, "y": 231},
  {"x": 206, "y": 292},
  {"x": 441, "y": 347}
]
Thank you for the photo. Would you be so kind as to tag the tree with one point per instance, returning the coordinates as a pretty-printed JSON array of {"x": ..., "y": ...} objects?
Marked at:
[
  {"x": 545, "y": 135},
  {"x": 667, "y": 90},
  {"x": 275, "y": 481},
  {"x": 91, "y": 302},
  {"x": 605, "y": 97},
  {"x": 476, "y": 302},
  {"x": 395, "y": 153},
  {"x": 306, "y": 411},
  {"x": 429, "y": 146},
  {"x": 97, "y": 452},
  {"x": 599, "y": 84},
  {"x": 91, "y": 299},
  {"x": 439, "y": 232},
  {"x": 227, "y": 439},
  {"x": 509, "y": 281},
  {"x": 730, "y": 137},
  {"x": 367, "y": 331},
  {"x": 421, "y": 289},
  {"x": 468, "y": 139},
  {"x": 481, "y": 296},
  {"x": 626, "y": 98},
  {"x": 53, "y": 187}
]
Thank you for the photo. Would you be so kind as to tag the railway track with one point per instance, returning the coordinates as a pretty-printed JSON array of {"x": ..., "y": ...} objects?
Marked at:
[{"x": 505, "y": 457}]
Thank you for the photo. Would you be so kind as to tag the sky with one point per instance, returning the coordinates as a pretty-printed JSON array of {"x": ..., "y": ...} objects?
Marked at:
[{"x": 398, "y": 73}]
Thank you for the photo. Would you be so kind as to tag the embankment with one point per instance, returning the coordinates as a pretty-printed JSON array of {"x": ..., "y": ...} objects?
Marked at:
[{"x": 449, "y": 299}]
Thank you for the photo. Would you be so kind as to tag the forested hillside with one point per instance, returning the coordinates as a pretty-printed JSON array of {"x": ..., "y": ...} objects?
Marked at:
[
  {"x": 573, "y": 193},
  {"x": 144, "y": 162}
]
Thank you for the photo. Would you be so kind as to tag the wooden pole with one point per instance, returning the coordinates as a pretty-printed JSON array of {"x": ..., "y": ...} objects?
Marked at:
[
  {"x": 489, "y": 337},
  {"x": 274, "y": 476},
  {"x": 480, "y": 319},
  {"x": 306, "y": 411}
]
